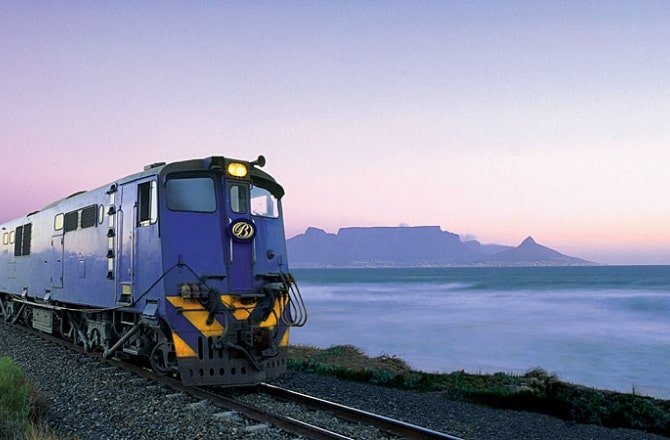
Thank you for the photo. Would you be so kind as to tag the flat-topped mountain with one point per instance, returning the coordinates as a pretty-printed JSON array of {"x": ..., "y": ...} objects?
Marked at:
[{"x": 413, "y": 247}]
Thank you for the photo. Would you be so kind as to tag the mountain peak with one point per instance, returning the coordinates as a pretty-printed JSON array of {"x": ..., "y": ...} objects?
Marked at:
[
  {"x": 529, "y": 241},
  {"x": 530, "y": 252}
]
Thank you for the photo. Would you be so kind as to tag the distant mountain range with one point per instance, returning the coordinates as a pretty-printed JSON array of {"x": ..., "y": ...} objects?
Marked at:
[{"x": 420, "y": 246}]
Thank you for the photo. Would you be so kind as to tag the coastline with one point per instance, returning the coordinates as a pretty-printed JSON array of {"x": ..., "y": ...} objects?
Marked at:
[
  {"x": 597, "y": 326},
  {"x": 535, "y": 391}
]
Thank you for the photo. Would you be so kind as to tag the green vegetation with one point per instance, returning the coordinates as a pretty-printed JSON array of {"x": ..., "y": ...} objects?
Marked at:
[
  {"x": 14, "y": 400},
  {"x": 19, "y": 406},
  {"x": 534, "y": 391}
]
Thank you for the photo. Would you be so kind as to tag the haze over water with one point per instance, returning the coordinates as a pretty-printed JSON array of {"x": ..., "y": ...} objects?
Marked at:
[{"x": 605, "y": 327}]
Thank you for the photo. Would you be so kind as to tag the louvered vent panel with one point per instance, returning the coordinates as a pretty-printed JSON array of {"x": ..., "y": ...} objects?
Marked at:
[
  {"x": 71, "y": 221},
  {"x": 89, "y": 216},
  {"x": 25, "y": 245}
]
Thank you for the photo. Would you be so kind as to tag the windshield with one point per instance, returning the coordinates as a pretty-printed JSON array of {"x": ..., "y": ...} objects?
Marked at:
[
  {"x": 263, "y": 203},
  {"x": 238, "y": 199},
  {"x": 194, "y": 194}
]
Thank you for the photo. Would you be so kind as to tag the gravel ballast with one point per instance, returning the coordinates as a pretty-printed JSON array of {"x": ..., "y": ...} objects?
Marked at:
[
  {"x": 88, "y": 400},
  {"x": 469, "y": 421}
]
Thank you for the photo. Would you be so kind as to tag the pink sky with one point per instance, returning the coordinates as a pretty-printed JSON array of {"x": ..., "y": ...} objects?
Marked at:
[{"x": 499, "y": 121}]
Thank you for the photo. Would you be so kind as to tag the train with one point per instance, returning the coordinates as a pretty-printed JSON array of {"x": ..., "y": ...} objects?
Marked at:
[{"x": 182, "y": 266}]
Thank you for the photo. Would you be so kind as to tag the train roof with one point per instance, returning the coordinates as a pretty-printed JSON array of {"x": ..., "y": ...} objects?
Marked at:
[
  {"x": 208, "y": 163},
  {"x": 218, "y": 163}
]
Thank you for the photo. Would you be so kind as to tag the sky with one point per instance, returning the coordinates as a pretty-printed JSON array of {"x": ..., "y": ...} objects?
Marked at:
[{"x": 497, "y": 120}]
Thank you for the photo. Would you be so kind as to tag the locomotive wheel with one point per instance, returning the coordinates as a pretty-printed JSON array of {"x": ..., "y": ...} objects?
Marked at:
[
  {"x": 9, "y": 311},
  {"x": 68, "y": 334},
  {"x": 162, "y": 359},
  {"x": 81, "y": 339},
  {"x": 27, "y": 316}
]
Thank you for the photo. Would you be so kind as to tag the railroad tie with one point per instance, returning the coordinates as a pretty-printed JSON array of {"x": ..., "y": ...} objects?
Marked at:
[
  {"x": 226, "y": 415},
  {"x": 256, "y": 428},
  {"x": 197, "y": 405}
]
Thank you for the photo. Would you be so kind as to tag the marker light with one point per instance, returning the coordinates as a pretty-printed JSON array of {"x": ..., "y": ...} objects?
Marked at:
[{"x": 237, "y": 169}]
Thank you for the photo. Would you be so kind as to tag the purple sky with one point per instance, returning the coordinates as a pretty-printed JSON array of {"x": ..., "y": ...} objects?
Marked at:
[{"x": 496, "y": 119}]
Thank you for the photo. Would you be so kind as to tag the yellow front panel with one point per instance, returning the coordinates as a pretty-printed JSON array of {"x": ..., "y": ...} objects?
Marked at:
[
  {"x": 181, "y": 347},
  {"x": 197, "y": 315},
  {"x": 271, "y": 321},
  {"x": 241, "y": 311},
  {"x": 284, "y": 339}
]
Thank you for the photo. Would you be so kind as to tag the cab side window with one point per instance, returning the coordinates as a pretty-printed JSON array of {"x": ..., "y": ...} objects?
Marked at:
[{"x": 147, "y": 203}]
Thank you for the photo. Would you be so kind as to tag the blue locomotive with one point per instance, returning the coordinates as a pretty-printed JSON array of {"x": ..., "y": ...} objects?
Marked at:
[{"x": 183, "y": 264}]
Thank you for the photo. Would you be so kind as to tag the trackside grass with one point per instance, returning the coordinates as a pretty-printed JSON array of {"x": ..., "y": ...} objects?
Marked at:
[
  {"x": 535, "y": 391},
  {"x": 19, "y": 406},
  {"x": 14, "y": 403}
]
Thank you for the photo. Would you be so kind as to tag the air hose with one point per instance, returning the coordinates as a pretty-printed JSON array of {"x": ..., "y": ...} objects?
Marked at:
[{"x": 294, "y": 313}]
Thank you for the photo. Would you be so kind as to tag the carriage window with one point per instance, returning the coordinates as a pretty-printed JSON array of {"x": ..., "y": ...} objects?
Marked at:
[
  {"x": 191, "y": 194},
  {"x": 147, "y": 203},
  {"x": 263, "y": 203},
  {"x": 89, "y": 216},
  {"x": 238, "y": 199},
  {"x": 11, "y": 237},
  {"x": 5, "y": 238},
  {"x": 58, "y": 222}
]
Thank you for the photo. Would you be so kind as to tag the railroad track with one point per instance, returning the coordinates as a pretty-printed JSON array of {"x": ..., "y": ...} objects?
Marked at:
[
  {"x": 395, "y": 426},
  {"x": 266, "y": 415}
]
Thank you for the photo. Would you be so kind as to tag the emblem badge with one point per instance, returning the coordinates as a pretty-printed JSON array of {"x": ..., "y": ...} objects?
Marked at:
[{"x": 242, "y": 230}]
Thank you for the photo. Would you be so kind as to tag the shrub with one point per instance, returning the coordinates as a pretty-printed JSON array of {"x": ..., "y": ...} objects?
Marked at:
[{"x": 14, "y": 400}]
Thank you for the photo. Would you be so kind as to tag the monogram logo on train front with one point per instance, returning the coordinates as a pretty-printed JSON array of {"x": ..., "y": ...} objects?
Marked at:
[{"x": 242, "y": 230}]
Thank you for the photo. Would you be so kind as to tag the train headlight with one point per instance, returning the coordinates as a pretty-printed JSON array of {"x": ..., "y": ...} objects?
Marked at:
[{"x": 237, "y": 169}]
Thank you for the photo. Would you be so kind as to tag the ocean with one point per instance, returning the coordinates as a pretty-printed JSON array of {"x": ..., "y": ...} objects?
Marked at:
[{"x": 603, "y": 326}]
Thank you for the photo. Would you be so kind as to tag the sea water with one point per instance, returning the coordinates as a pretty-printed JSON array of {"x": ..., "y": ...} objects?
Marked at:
[{"x": 605, "y": 326}]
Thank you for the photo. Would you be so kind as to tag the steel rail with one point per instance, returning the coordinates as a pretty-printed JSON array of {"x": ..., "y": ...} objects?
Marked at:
[
  {"x": 286, "y": 423},
  {"x": 388, "y": 424}
]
